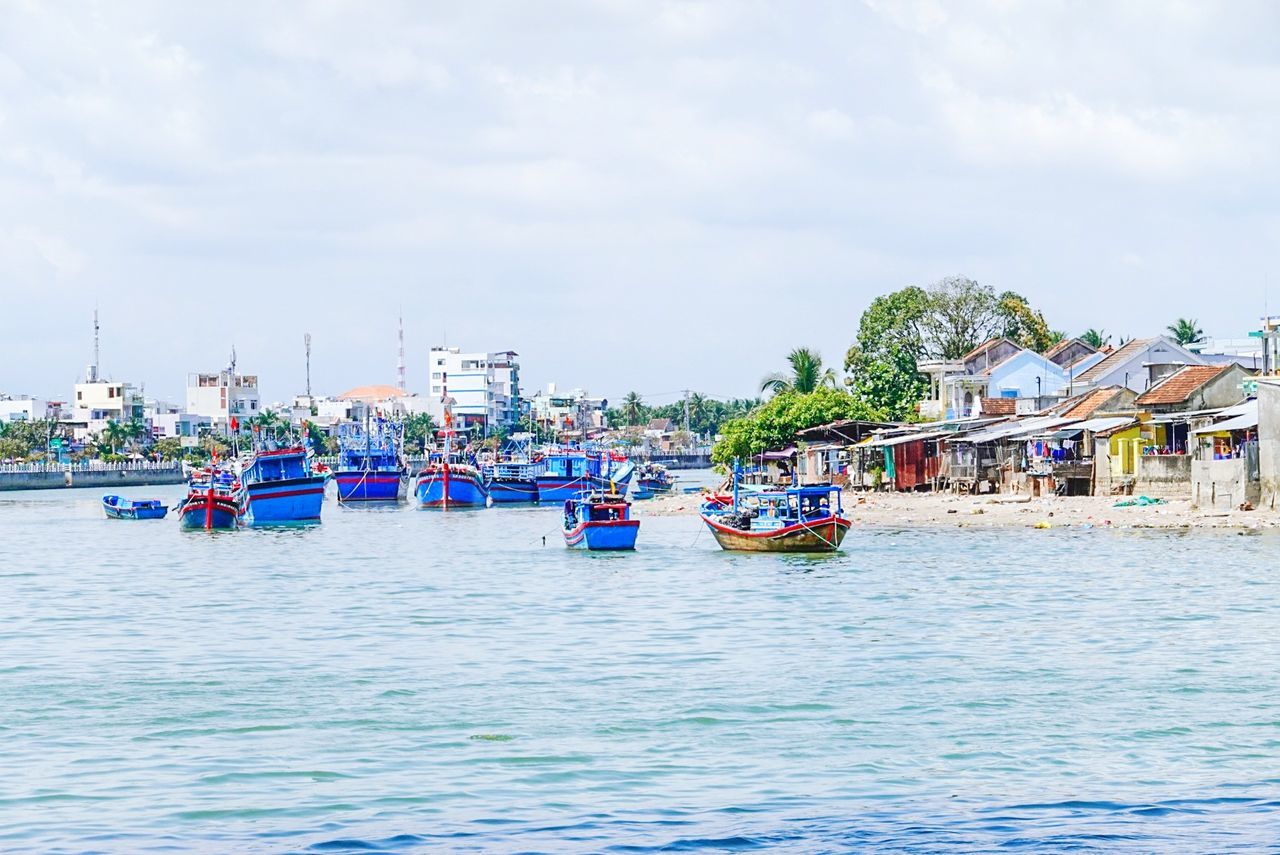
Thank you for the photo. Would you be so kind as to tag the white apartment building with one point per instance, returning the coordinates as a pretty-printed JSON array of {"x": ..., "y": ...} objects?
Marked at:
[
  {"x": 564, "y": 412},
  {"x": 22, "y": 408},
  {"x": 100, "y": 400},
  {"x": 222, "y": 396},
  {"x": 485, "y": 387}
]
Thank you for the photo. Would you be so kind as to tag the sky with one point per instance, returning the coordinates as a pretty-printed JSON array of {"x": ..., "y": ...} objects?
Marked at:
[{"x": 643, "y": 195}]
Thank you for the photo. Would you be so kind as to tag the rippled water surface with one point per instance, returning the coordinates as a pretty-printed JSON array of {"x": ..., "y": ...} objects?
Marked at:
[{"x": 406, "y": 680}]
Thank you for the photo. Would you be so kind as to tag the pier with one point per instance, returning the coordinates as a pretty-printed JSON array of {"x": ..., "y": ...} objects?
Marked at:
[{"x": 48, "y": 476}]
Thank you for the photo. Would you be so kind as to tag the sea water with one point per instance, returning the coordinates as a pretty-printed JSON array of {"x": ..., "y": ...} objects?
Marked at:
[{"x": 396, "y": 679}]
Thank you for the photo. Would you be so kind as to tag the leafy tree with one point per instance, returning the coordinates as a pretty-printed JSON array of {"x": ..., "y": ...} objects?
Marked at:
[
  {"x": 113, "y": 435},
  {"x": 1095, "y": 338},
  {"x": 419, "y": 428},
  {"x": 633, "y": 408},
  {"x": 806, "y": 374},
  {"x": 168, "y": 448},
  {"x": 1023, "y": 325},
  {"x": 1186, "y": 331},
  {"x": 12, "y": 448},
  {"x": 880, "y": 366},
  {"x": 962, "y": 315},
  {"x": 775, "y": 423}
]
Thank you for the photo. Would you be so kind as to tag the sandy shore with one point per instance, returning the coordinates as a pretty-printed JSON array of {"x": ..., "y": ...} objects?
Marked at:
[{"x": 899, "y": 510}]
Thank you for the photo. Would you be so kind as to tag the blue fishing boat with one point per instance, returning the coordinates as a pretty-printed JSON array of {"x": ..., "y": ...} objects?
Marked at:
[
  {"x": 450, "y": 479},
  {"x": 600, "y": 521},
  {"x": 118, "y": 508},
  {"x": 513, "y": 477},
  {"x": 609, "y": 472},
  {"x": 279, "y": 487},
  {"x": 564, "y": 476},
  {"x": 214, "y": 500},
  {"x": 639, "y": 492},
  {"x": 370, "y": 467},
  {"x": 654, "y": 477}
]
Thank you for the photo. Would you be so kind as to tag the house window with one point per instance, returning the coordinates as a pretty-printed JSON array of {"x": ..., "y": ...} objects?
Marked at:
[
  {"x": 435, "y": 375},
  {"x": 111, "y": 392}
]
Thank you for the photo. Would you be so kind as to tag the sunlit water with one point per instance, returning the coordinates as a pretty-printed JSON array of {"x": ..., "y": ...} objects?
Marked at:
[{"x": 406, "y": 680}]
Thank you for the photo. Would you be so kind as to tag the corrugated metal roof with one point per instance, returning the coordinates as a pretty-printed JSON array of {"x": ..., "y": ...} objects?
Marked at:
[
  {"x": 1245, "y": 417},
  {"x": 1015, "y": 429},
  {"x": 900, "y": 440}
]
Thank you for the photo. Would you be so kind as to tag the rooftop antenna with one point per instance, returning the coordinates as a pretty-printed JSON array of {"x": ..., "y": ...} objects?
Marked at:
[
  {"x": 400, "y": 362},
  {"x": 307, "y": 338}
]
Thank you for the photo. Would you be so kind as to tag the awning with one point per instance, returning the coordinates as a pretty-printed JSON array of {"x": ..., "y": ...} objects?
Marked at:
[
  {"x": 782, "y": 454},
  {"x": 901, "y": 440},
  {"x": 1244, "y": 421}
]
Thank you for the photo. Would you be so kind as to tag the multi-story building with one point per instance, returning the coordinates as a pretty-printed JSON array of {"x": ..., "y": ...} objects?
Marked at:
[
  {"x": 566, "y": 413},
  {"x": 222, "y": 396},
  {"x": 22, "y": 408},
  {"x": 100, "y": 400},
  {"x": 485, "y": 387}
]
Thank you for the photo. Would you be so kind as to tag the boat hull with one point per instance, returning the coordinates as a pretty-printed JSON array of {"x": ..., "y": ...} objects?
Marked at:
[
  {"x": 287, "y": 501},
  {"x": 556, "y": 488},
  {"x": 358, "y": 485},
  {"x": 513, "y": 492},
  {"x": 603, "y": 535},
  {"x": 463, "y": 491},
  {"x": 823, "y": 535},
  {"x": 208, "y": 512},
  {"x": 129, "y": 511}
]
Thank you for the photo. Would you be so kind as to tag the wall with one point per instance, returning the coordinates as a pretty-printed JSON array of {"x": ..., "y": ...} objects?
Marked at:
[
  {"x": 1269, "y": 444},
  {"x": 1222, "y": 484},
  {"x": 96, "y": 478},
  {"x": 1021, "y": 373},
  {"x": 1163, "y": 476}
]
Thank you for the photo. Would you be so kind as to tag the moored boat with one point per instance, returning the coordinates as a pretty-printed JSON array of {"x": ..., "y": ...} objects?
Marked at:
[
  {"x": 654, "y": 477},
  {"x": 513, "y": 477},
  {"x": 118, "y": 508},
  {"x": 449, "y": 481},
  {"x": 370, "y": 463},
  {"x": 213, "y": 501},
  {"x": 783, "y": 519},
  {"x": 279, "y": 487},
  {"x": 564, "y": 476},
  {"x": 600, "y": 521},
  {"x": 610, "y": 472}
]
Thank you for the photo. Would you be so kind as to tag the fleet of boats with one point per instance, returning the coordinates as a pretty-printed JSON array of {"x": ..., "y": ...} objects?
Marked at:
[{"x": 273, "y": 485}]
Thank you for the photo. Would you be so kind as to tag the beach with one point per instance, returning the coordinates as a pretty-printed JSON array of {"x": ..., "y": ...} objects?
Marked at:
[{"x": 944, "y": 510}]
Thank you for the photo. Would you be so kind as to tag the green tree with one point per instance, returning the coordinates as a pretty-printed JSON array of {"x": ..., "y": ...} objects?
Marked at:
[
  {"x": 633, "y": 408},
  {"x": 962, "y": 315},
  {"x": 168, "y": 448},
  {"x": 1095, "y": 338},
  {"x": 775, "y": 423},
  {"x": 806, "y": 374},
  {"x": 880, "y": 367},
  {"x": 12, "y": 448},
  {"x": 419, "y": 429},
  {"x": 1186, "y": 331},
  {"x": 113, "y": 436},
  {"x": 1023, "y": 325}
]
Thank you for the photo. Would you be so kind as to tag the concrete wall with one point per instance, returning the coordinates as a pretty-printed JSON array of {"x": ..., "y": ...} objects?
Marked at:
[
  {"x": 1222, "y": 484},
  {"x": 96, "y": 478},
  {"x": 1166, "y": 477},
  {"x": 1269, "y": 443}
]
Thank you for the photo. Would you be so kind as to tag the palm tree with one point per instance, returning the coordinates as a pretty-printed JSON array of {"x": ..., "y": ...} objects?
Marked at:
[
  {"x": 113, "y": 435},
  {"x": 1186, "y": 331},
  {"x": 1095, "y": 338},
  {"x": 807, "y": 374},
  {"x": 632, "y": 408}
]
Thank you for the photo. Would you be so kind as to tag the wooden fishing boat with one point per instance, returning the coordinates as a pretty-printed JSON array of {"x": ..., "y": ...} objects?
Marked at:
[
  {"x": 451, "y": 479},
  {"x": 118, "y": 508},
  {"x": 370, "y": 461},
  {"x": 279, "y": 487},
  {"x": 600, "y": 521},
  {"x": 783, "y": 519},
  {"x": 215, "y": 499}
]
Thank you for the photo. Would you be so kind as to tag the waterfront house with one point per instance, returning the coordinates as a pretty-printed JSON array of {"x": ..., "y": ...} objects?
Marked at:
[
  {"x": 1187, "y": 399},
  {"x": 826, "y": 455},
  {"x": 1137, "y": 365},
  {"x": 997, "y": 369},
  {"x": 1105, "y": 400},
  {"x": 1224, "y": 460}
]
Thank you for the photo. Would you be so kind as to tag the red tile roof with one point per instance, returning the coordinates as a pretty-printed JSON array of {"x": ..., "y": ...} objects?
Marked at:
[
  {"x": 1180, "y": 385},
  {"x": 999, "y": 406}
]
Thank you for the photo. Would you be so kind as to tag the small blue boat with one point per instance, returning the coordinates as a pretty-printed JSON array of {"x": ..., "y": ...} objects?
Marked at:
[
  {"x": 599, "y": 522},
  {"x": 564, "y": 477},
  {"x": 654, "y": 477},
  {"x": 640, "y": 492},
  {"x": 126, "y": 509},
  {"x": 370, "y": 466},
  {"x": 214, "y": 500},
  {"x": 279, "y": 487}
]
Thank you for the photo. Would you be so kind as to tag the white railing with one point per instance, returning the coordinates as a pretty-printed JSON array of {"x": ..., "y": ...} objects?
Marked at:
[{"x": 93, "y": 466}]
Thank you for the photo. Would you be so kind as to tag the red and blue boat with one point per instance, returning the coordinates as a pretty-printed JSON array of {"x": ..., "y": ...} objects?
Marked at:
[
  {"x": 600, "y": 522},
  {"x": 777, "y": 519},
  {"x": 214, "y": 500},
  {"x": 609, "y": 471},
  {"x": 513, "y": 477},
  {"x": 654, "y": 478},
  {"x": 450, "y": 479},
  {"x": 564, "y": 476},
  {"x": 371, "y": 465},
  {"x": 279, "y": 487}
]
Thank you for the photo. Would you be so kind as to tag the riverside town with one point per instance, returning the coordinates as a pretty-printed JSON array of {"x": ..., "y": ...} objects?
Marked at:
[{"x": 936, "y": 411}]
